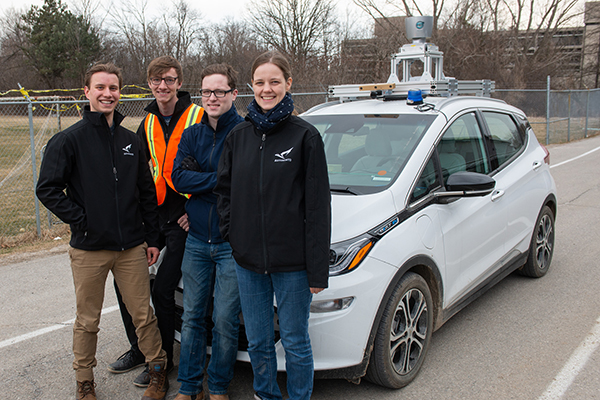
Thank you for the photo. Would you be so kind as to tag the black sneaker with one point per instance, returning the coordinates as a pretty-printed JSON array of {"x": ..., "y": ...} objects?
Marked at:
[
  {"x": 128, "y": 361},
  {"x": 143, "y": 379}
]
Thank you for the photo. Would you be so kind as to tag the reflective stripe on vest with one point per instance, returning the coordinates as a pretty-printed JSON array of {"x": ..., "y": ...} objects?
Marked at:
[{"x": 163, "y": 154}]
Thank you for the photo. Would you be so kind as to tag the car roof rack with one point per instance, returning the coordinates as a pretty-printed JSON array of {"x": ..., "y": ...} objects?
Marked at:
[{"x": 431, "y": 83}]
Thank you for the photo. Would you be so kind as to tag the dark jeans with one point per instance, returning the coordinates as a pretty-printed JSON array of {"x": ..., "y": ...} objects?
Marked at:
[
  {"x": 163, "y": 290},
  {"x": 293, "y": 297},
  {"x": 203, "y": 264}
]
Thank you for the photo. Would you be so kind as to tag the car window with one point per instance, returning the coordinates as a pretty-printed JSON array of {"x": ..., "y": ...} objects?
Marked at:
[
  {"x": 462, "y": 148},
  {"x": 426, "y": 182},
  {"x": 367, "y": 150},
  {"x": 504, "y": 134}
]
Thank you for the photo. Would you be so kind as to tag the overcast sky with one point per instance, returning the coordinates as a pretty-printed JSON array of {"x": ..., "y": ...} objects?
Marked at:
[
  {"x": 217, "y": 10},
  {"x": 211, "y": 9}
]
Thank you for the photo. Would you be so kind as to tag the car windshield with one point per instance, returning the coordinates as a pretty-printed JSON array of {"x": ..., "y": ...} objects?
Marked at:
[{"x": 366, "y": 152}]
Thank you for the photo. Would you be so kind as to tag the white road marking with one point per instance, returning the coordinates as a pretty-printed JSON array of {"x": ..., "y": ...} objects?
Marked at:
[
  {"x": 39, "y": 332},
  {"x": 571, "y": 369},
  {"x": 575, "y": 158}
]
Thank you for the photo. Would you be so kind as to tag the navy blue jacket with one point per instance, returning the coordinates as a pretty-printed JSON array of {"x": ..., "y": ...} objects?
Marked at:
[{"x": 205, "y": 145}]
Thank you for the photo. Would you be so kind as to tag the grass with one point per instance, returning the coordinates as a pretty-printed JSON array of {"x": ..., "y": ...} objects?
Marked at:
[
  {"x": 28, "y": 241},
  {"x": 562, "y": 131}
]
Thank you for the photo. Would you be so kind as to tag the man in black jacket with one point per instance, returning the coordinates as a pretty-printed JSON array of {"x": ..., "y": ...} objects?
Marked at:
[
  {"x": 110, "y": 204},
  {"x": 169, "y": 115}
]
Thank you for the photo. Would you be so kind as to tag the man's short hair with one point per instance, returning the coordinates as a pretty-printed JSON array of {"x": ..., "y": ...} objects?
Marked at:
[
  {"x": 163, "y": 64},
  {"x": 109, "y": 68},
  {"x": 221, "y": 69}
]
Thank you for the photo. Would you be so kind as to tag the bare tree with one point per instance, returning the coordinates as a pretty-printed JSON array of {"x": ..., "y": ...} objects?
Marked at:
[
  {"x": 185, "y": 23},
  {"x": 140, "y": 36},
  {"x": 233, "y": 43},
  {"x": 511, "y": 41},
  {"x": 379, "y": 9},
  {"x": 14, "y": 64},
  {"x": 298, "y": 28}
]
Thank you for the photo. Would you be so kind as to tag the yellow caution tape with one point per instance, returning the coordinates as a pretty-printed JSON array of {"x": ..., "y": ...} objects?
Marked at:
[{"x": 64, "y": 107}]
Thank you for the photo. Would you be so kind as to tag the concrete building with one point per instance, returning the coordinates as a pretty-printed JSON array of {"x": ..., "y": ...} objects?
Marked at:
[{"x": 590, "y": 59}]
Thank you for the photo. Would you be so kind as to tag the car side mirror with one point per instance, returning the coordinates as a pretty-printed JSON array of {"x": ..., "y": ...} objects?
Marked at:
[{"x": 467, "y": 184}]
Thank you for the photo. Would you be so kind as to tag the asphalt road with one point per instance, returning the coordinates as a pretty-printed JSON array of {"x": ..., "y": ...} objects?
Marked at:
[{"x": 524, "y": 339}]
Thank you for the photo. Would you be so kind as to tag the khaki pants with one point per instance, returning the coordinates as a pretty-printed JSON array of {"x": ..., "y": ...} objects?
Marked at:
[{"x": 130, "y": 270}]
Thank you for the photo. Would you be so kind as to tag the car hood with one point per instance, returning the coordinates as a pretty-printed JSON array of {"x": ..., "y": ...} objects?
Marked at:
[{"x": 352, "y": 216}]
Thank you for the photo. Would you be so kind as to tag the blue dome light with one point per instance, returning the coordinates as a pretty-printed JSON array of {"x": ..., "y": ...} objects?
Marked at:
[{"x": 414, "y": 97}]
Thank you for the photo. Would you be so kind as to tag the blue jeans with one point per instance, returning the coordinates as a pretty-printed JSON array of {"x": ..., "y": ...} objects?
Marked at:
[
  {"x": 293, "y": 297},
  {"x": 204, "y": 263}
]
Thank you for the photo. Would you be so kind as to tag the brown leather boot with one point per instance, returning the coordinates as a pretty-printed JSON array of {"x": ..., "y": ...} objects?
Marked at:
[
  {"x": 86, "y": 390},
  {"x": 159, "y": 383},
  {"x": 188, "y": 397}
]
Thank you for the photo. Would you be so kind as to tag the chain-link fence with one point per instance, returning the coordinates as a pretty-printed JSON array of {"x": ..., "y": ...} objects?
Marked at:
[
  {"x": 27, "y": 125},
  {"x": 25, "y": 128},
  {"x": 557, "y": 116}
]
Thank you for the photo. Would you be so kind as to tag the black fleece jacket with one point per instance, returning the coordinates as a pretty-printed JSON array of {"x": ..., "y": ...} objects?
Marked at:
[
  {"x": 273, "y": 199},
  {"x": 110, "y": 199}
]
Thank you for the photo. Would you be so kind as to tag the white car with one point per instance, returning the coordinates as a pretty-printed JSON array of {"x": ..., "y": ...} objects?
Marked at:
[{"x": 432, "y": 205}]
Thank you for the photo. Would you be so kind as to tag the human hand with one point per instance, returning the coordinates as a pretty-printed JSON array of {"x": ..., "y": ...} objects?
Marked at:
[
  {"x": 184, "y": 222},
  {"x": 189, "y": 163},
  {"x": 152, "y": 254},
  {"x": 315, "y": 290}
]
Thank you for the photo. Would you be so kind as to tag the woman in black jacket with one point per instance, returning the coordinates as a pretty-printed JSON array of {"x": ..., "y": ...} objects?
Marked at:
[{"x": 275, "y": 210}]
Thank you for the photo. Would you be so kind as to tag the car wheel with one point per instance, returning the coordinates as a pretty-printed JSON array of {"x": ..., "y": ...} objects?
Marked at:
[
  {"x": 403, "y": 335},
  {"x": 541, "y": 247}
]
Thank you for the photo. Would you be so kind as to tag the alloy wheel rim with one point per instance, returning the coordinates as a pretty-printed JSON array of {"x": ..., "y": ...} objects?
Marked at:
[
  {"x": 408, "y": 332},
  {"x": 544, "y": 242}
]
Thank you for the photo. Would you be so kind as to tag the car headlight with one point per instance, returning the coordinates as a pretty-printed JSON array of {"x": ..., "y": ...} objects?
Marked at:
[{"x": 347, "y": 255}]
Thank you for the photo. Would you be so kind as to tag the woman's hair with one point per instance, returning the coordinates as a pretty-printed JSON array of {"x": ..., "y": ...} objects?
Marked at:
[{"x": 273, "y": 57}]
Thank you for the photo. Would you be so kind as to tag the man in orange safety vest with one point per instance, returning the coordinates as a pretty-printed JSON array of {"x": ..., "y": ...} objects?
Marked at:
[{"x": 169, "y": 115}]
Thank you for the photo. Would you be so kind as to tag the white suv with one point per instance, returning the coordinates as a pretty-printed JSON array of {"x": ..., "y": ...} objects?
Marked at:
[{"x": 432, "y": 205}]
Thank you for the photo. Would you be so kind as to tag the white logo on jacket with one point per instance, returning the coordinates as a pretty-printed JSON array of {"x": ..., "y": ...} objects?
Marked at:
[
  {"x": 283, "y": 156},
  {"x": 127, "y": 150}
]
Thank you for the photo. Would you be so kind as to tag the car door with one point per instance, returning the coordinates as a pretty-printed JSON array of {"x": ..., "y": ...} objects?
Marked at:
[
  {"x": 473, "y": 228},
  {"x": 515, "y": 171}
]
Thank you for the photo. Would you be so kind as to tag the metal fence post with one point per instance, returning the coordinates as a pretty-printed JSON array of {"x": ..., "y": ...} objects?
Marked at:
[
  {"x": 569, "y": 120},
  {"x": 587, "y": 113},
  {"x": 33, "y": 164},
  {"x": 548, "y": 111},
  {"x": 58, "y": 116}
]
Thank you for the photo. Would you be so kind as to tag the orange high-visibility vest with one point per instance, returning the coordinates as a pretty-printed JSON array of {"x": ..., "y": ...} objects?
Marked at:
[{"x": 163, "y": 155}]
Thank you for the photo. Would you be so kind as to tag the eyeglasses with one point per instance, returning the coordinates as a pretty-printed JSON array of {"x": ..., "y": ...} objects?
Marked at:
[
  {"x": 218, "y": 93},
  {"x": 169, "y": 80}
]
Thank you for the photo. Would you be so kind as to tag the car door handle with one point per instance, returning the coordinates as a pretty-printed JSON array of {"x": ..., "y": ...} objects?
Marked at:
[
  {"x": 537, "y": 165},
  {"x": 497, "y": 194}
]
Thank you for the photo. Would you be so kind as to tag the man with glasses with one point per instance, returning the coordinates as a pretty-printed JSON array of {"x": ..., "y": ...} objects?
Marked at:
[
  {"x": 208, "y": 265},
  {"x": 169, "y": 115}
]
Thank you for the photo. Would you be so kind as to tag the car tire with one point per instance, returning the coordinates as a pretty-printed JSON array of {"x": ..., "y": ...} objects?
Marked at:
[
  {"x": 402, "y": 338},
  {"x": 541, "y": 247}
]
